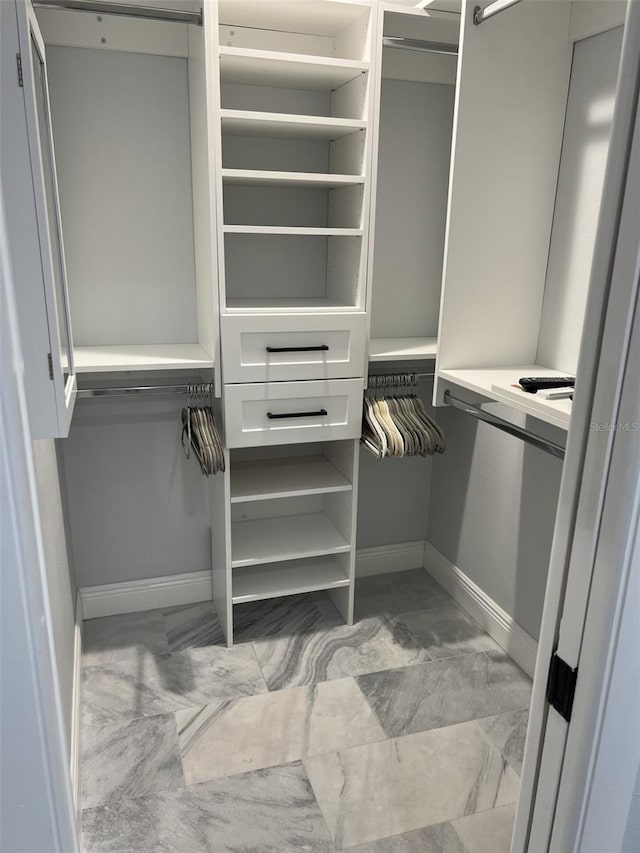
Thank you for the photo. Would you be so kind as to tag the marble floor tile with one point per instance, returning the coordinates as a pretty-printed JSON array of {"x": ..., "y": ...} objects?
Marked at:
[
  {"x": 398, "y": 592},
  {"x": 274, "y": 728},
  {"x": 487, "y": 832},
  {"x": 284, "y": 617},
  {"x": 128, "y": 636},
  {"x": 372, "y": 644},
  {"x": 193, "y": 626},
  {"x": 130, "y": 760},
  {"x": 508, "y": 733},
  {"x": 447, "y": 631},
  {"x": 266, "y": 811},
  {"x": 396, "y": 786},
  {"x": 440, "y": 838},
  {"x": 441, "y": 693},
  {"x": 191, "y": 678}
]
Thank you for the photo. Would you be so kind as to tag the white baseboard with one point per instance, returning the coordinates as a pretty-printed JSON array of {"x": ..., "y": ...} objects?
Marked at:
[
  {"x": 76, "y": 699},
  {"x": 132, "y": 596},
  {"x": 495, "y": 621},
  {"x": 382, "y": 559}
]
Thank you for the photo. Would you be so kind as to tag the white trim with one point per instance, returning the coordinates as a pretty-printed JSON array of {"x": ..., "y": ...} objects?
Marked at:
[
  {"x": 495, "y": 621},
  {"x": 382, "y": 559},
  {"x": 75, "y": 747},
  {"x": 131, "y": 596},
  {"x": 150, "y": 593}
]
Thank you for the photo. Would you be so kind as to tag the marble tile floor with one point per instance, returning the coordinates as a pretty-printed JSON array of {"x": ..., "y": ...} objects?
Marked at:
[{"x": 402, "y": 733}]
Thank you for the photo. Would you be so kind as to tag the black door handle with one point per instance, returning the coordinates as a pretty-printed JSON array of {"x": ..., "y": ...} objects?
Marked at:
[
  {"x": 321, "y": 413},
  {"x": 319, "y": 348}
]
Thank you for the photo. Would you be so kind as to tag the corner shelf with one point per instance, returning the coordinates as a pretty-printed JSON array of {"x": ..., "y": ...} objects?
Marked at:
[
  {"x": 290, "y": 578},
  {"x": 287, "y": 126},
  {"x": 284, "y": 478},
  {"x": 111, "y": 359},
  {"x": 292, "y": 537},
  {"x": 496, "y": 384},
  {"x": 261, "y": 177},
  {"x": 402, "y": 349},
  {"x": 286, "y": 70}
]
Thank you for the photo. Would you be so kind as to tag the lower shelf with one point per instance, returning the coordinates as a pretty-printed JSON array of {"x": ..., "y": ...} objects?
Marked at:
[
  {"x": 290, "y": 537},
  {"x": 274, "y": 580}
]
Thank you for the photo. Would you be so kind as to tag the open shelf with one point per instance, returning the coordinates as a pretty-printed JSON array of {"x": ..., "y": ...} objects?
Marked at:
[
  {"x": 284, "y": 305},
  {"x": 260, "y": 177},
  {"x": 286, "y": 70},
  {"x": 290, "y": 578},
  {"x": 262, "y": 479},
  {"x": 292, "y": 229},
  {"x": 402, "y": 349},
  {"x": 496, "y": 384},
  {"x": 110, "y": 359},
  {"x": 290, "y": 537},
  {"x": 286, "y": 126}
]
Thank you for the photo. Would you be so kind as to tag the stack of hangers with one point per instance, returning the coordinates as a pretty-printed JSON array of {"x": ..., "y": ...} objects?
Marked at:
[
  {"x": 395, "y": 421},
  {"x": 199, "y": 430}
]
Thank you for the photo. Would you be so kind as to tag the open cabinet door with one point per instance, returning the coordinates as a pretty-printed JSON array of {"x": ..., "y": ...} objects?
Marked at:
[
  {"x": 577, "y": 728},
  {"x": 39, "y": 259}
]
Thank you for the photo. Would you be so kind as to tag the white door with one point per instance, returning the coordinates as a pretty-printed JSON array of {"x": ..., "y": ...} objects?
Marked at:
[
  {"x": 32, "y": 70},
  {"x": 591, "y": 573}
]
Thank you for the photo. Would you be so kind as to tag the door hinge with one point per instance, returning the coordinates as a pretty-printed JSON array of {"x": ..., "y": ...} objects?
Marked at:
[
  {"x": 19, "y": 64},
  {"x": 50, "y": 360},
  {"x": 561, "y": 686}
]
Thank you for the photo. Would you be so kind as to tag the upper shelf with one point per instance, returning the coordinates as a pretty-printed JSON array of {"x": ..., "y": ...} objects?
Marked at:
[
  {"x": 111, "y": 359},
  {"x": 261, "y": 177},
  {"x": 285, "y": 126},
  {"x": 286, "y": 70},
  {"x": 498, "y": 385},
  {"x": 292, "y": 230},
  {"x": 402, "y": 349}
]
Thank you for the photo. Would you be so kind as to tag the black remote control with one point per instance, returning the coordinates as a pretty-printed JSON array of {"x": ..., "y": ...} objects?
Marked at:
[{"x": 535, "y": 383}]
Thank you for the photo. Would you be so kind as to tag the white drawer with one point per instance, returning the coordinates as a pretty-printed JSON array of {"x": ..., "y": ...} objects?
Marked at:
[
  {"x": 296, "y": 346},
  {"x": 292, "y": 412}
]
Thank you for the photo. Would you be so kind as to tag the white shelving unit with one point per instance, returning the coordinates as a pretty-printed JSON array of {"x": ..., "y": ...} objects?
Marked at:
[
  {"x": 402, "y": 349},
  {"x": 284, "y": 126},
  {"x": 274, "y": 540},
  {"x": 285, "y": 478},
  {"x": 142, "y": 357},
  {"x": 286, "y": 70},
  {"x": 288, "y": 578},
  {"x": 257, "y": 178}
]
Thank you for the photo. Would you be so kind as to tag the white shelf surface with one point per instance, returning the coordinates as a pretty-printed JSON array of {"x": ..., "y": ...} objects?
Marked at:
[
  {"x": 262, "y": 479},
  {"x": 255, "y": 583},
  {"x": 496, "y": 384},
  {"x": 289, "y": 537},
  {"x": 292, "y": 230},
  {"x": 286, "y": 70},
  {"x": 402, "y": 349},
  {"x": 287, "y": 306},
  {"x": 111, "y": 359},
  {"x": 287, "y": 126},
  {"x": 260, "y": 177}
]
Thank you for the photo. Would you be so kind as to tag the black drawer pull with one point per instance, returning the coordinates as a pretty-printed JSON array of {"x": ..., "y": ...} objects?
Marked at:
[
  {"x": 319, "y": 348},
  {"x": 321, "y": 413}
]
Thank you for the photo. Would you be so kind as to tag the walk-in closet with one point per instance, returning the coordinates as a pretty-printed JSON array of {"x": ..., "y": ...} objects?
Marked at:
[{"x": 282, "y": 266}]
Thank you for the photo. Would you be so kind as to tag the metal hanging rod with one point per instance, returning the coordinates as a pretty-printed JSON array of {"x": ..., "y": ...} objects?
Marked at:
[
  {"x": 105, "y": 8},
  {"x": 150, "y": 390},
  {"x": 519, "y": 432},
  {"x": 483, "y": 14},
  {"x": 418, "y": 44}
]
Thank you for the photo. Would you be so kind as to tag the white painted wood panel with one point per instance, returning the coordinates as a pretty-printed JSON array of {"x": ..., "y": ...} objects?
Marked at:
[
  {"x": 259, "y": 177},
  {"x": 113, "y": 359},
  {"x": 592, "y": 93},
  {"x": 247, "y": 407},
  {"x": 402, "y": 349},
  {"x": 246, "y": 338},
  {"x": 282, "y": 126},
  {"x": 291, "y": 578},
  {"x": 289, "y": 70},
  {"x": 513, "y": 77},
  {"x": 314, "y": 17},
  {"x": 127, "y": 215}
]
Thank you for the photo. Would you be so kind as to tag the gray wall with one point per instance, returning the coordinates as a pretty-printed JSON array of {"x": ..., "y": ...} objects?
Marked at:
[
  {"x": 62, "y": 590},
  {"x": 632, "y": 835},
  {"x": 492, "y": 510}
]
